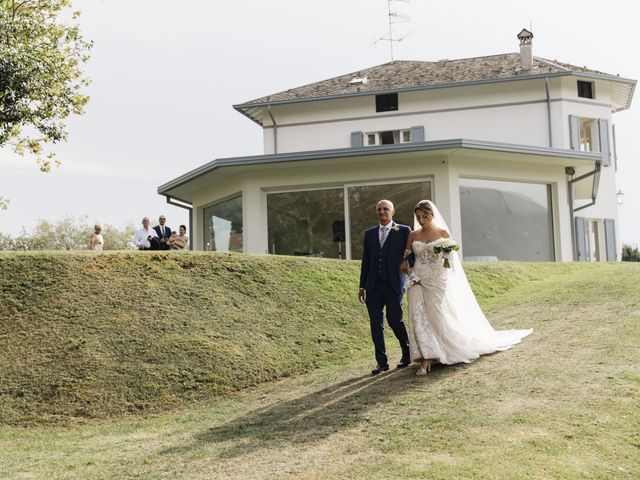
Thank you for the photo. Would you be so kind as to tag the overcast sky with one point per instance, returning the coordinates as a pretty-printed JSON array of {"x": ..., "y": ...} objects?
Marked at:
[{"x": 165, "y": 76}]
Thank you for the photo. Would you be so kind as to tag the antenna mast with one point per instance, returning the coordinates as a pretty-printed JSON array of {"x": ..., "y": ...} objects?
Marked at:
[{"x": 394, "y": 18}]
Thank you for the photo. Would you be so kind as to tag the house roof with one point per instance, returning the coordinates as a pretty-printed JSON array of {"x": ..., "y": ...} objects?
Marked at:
[
  {"x": 403, "y": 75},
  {"x": 183, "y": 187}
]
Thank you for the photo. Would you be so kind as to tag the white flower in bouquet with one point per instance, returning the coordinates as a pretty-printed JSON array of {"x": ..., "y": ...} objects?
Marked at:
[{"x": 445, "y": 246}]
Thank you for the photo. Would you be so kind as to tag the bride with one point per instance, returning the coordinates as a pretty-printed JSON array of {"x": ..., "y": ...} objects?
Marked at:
[{"x": 446, "y": 324}]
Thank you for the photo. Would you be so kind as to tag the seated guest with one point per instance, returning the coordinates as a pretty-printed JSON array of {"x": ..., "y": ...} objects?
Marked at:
[
  {"x": 146, "y": 238},
  {"x": 163, "y": 232},
  {"x": 97, "y": 241},
  {"x": 178, "y": 241}
]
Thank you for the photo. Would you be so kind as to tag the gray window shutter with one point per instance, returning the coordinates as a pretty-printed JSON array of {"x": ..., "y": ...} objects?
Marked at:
[
  {"x": 581, "y": 239},
  {"x": 603, "y": 137},
  {"x": 357, "y": 139},
  {"x": 610, "y": 239},
  {"x": 574, "y": 132},
  {"x": 417, "y": 134},
  {"x": 615, "y": 149}
]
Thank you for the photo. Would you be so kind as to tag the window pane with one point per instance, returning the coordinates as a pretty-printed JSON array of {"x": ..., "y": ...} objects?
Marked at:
[
  {"x": 585, "y": 89},
  {"x": 506, "y": 220},
  {"x": 309, "y": 223},
  {"x": 363, "y": 201},
  {"x": 386, "y": 103},
  {"x": 386, "y": 138},
  {"x": 587, "y": 134},
  {"x": 223, "y": 226}
]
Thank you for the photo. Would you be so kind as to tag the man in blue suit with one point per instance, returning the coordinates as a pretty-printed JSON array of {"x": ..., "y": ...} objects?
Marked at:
[
  {"x": 381, "y": 282},
  {"x": 164, "y": 233}
]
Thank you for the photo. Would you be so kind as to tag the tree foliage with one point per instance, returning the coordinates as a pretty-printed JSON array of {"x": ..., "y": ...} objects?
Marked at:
[
  {"x": 67, "y": 234},
  {"x": 630, "y": 254},
  {"x": 41, "y": 80}
]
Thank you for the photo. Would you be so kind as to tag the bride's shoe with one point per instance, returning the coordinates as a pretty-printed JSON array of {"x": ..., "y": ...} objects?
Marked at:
[{"x": 424, "y": 370}]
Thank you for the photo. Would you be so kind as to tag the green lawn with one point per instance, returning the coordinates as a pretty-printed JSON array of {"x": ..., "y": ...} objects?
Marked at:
[{"x": 563, "y": 404}]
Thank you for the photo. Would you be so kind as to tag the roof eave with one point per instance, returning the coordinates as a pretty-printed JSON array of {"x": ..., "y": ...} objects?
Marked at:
[
  {"x": 242, "y": 106},
  {"x": 375, "y": 150}
]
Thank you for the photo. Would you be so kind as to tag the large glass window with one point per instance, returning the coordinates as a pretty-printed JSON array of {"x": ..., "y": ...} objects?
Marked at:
[
  {"x": 308, "y": 223},
  {"x": 362, "y": 207},
  {"x": 506, "y": 220},
  {"x": 223, "y": 226}
]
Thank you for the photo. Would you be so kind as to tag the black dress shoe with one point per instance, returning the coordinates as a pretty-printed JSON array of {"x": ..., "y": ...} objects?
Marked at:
[
  {"x": 403, "y": 363},
  {"x": 379, "y": 369}
]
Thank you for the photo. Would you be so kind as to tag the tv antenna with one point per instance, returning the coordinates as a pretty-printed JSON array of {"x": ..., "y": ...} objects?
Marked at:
[{"x": 395, "y": 17}]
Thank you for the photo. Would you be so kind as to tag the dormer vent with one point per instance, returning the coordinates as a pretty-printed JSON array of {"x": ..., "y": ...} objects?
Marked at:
[
  {"x": 526, "y": 53},
  {"x": 359, "y": 81}
]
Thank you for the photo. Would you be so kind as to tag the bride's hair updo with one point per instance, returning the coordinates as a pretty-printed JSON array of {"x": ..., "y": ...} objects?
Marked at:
[{"x": 424, "y": 206}]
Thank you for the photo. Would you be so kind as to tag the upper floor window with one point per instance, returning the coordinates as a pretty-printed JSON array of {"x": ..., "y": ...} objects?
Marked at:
[
  {"x": 589, "y": 135},
  {"x": 387, "y": 103},
  {"x": 389, "y": 137},
  {"x": 586, "y": 89}
]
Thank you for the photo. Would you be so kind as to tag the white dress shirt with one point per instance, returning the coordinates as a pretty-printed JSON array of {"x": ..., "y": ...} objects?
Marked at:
[{"x": 140, "y": 237}]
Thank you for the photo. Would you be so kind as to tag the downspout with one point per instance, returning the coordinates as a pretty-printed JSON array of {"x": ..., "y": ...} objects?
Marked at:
[
  {"x": 187, "y": 206},
  {"x": 546, "y": 86},
  {"x": 570, "y": 171},
  {"x": 596, "y": 180},
  {"x": 275, "y": 130}
]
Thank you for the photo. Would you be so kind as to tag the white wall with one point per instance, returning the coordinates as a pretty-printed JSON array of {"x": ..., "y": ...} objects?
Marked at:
[
  {"x": 508, "y": 112},
  {"x": 443, "y": 171}
]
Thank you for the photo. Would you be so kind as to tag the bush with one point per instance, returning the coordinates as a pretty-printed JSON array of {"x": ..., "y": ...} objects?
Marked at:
[{"x": 630, "y": 254}]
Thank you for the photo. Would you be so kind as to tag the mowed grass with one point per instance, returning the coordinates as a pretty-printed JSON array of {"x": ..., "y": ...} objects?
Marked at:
[
  {"x": 94, "y": 336},
  {"x": 563, "y": 404}
]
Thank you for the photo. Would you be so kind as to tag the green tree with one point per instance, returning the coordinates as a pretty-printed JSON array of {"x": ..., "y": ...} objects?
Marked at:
[
  {"x": 6, "y": 242},
  {"x": 41, "y": 80},
  {"x": 630, "y": 254},
  {"x": 68, "y": 234},
  {"x": 115, "y": 239}
]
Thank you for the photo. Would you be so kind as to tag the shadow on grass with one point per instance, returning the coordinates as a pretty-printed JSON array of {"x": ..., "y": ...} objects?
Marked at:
[{"x": 311, "y": 417}]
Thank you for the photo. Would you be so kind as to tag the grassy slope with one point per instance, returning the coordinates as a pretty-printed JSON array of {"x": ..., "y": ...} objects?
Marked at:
[
  {"x": 99, "y": 335},
  {"x": 90, "y": 336},
  {"x": 564, "y": 404}
]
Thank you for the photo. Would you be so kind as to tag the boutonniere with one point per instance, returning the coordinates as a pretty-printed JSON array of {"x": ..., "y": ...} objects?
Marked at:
[{"x": 396, "y": 228}]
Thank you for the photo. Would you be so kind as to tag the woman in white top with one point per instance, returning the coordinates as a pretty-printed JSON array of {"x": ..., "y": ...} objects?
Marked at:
[{"x": 97, "y": 242}]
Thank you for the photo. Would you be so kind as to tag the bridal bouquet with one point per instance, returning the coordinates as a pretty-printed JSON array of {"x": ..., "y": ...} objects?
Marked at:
[{"x": 445, "y": 246}]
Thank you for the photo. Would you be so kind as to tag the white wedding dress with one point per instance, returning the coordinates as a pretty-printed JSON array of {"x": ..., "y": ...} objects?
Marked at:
[{"x": 445, "y": 321}]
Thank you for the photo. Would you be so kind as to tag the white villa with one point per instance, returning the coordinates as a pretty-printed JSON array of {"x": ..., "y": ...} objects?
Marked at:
[{"x": 518, "y": 153}]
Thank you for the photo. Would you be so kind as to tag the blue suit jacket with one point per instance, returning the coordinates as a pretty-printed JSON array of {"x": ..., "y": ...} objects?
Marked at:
[
  {"x": 392, "y": 250},
  {"x": 167, "y": 231}
]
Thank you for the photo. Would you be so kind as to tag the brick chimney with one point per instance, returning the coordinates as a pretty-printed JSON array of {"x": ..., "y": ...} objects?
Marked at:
[{"x": 526, "y": 54}]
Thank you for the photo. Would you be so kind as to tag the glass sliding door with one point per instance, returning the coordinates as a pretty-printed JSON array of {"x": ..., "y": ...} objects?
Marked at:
[
  {"x": 307, "y": 223},
  {"x": 223, "y": 226},
  {"x": 506, "y": 220},
  {"x": 362, "y": 207}
]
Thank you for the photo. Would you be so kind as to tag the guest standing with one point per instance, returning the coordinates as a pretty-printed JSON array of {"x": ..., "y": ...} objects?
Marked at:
[
  {"x": 146, "y": 238},
  {"x": 97, "y": 241},
  {"x": 178, "y": 241},
  {"x": 163, "y": 232}
]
